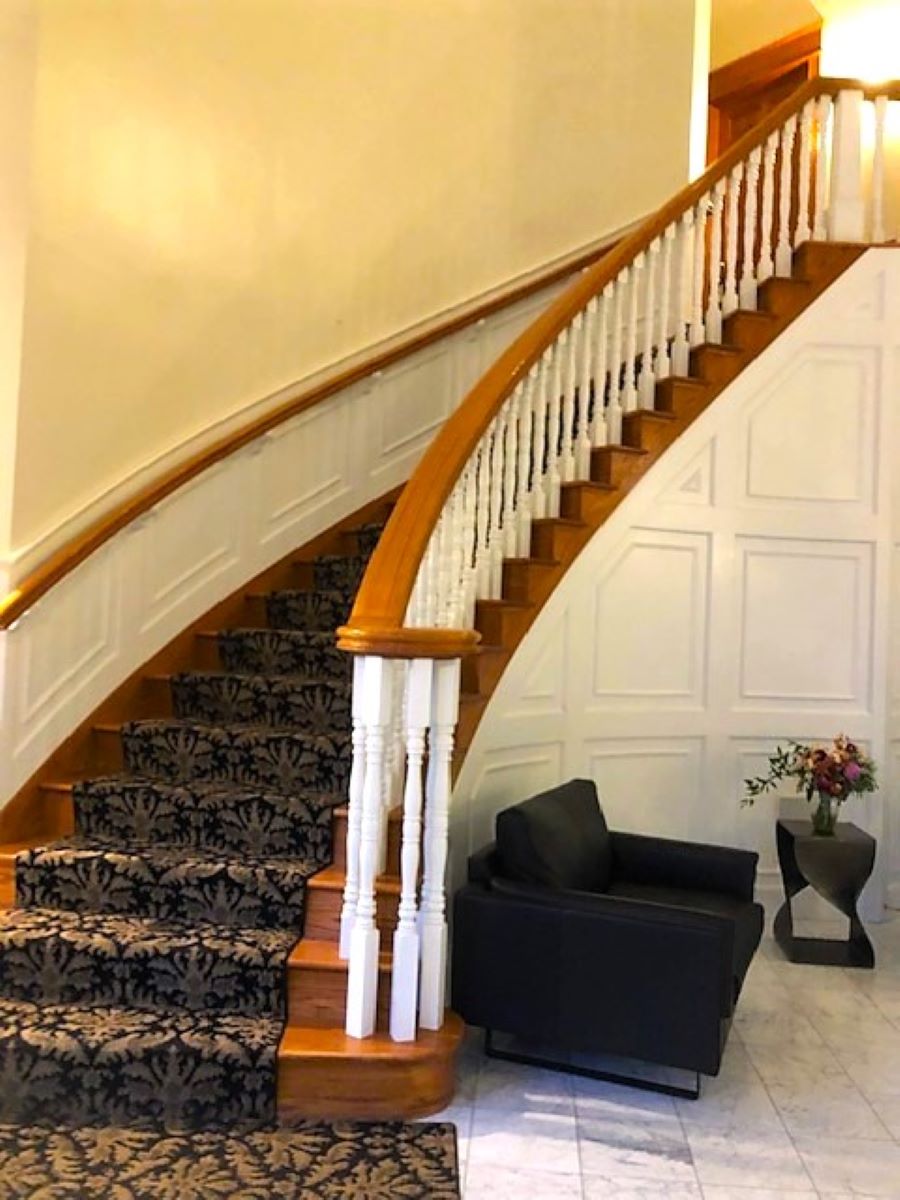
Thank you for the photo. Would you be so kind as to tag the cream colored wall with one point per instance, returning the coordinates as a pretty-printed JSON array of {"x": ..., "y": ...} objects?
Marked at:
[
  {"x": 740, "y": 26},
  {"x": 230, "y": 194}
]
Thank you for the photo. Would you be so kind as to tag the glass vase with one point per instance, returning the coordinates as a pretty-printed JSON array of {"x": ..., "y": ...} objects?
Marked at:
[{"x": 825, "y": 815}]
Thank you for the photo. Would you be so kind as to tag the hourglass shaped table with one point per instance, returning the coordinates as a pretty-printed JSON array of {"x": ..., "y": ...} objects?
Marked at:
[{"x": 837, "y": 868}]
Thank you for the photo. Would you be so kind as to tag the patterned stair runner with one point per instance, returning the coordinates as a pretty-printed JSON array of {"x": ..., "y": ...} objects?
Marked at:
[{"x": 143, "y": 973}]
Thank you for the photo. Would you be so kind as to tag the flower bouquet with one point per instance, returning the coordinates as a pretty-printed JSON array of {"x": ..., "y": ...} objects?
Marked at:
[{"x": 832, "y": 772}]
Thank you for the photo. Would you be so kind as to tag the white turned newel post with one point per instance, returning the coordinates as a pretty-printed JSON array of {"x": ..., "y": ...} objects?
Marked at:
[
  {"x": 354, "y": 811},
  {"x": 362, "y": 981},
  {"x": 600, "y": 434},
  {"x": 405, "y": 975},
  {"x": 747, "y": 291},
  {"x": 432, "y": 918},
  {"x": 823, "y": 148},
  {"x": 846, "y": 210},
  {"x": 714, "y": 301},
  {"x": 784, "y": 248},
  {"x": 804, "y": 167},
  {"x": 877, "y": 234},
  {"x": 647, "y": 380},
  {"x": 729, "y": 292},
  {"x": 766, "y": 264}
]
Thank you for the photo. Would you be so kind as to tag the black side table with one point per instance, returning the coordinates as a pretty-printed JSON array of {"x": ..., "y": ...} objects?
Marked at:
[{"x": 837, "y": 868}]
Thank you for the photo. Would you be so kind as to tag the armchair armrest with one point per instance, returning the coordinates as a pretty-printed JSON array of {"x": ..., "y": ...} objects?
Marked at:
[{"x": 693, "y": 865}]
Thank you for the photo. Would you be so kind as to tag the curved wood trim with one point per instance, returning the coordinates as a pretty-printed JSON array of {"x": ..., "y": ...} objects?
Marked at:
[
  {"x": 68, "y": 557},
  {"x": 409, "y": 643},
  {"x": 387, "y": 584}
]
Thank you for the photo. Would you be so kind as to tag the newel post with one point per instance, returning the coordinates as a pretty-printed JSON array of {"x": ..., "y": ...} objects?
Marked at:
[
  {"x": 846, "y": 208},
  {"x": 376, "y": 677},
  {"x": 432, "y": 916}
]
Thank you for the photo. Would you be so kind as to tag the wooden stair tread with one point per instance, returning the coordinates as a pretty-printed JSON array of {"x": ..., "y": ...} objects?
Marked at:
[
  {"x": 332, "y": 879},
  {"x": 312, "y": 1041},
  {"x": 323, "y": 955}
]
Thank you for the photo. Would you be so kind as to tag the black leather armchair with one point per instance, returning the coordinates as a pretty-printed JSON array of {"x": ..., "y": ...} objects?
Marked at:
[{"x": 588, "y": 940}]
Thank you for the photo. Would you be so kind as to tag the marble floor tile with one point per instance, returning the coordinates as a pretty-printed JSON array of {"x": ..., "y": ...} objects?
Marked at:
[
  {"x": 873, "y": 1067},
  {"x": 596, "y": 1097},
  {"x": 546, "y": 1141},
  {"x": 651, "y": 1147},
  {"x": 490, "y": 1182},
  {"x": 503, "y": 1085},
  {"x": 887, "y": 1109},
  {"x": 794, "y": 1063},
  {"x": 826, "y": 1107},
  {"x": 845, "y": 1164},
  {"x": 761, "y": 1160},
  {"x": 741, "y": 1193},
  {"x": 603, "y": 1187},
  {"x": 736, "y": 1099}
]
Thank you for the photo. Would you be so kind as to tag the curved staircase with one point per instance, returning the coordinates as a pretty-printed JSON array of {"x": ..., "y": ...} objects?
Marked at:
[{"x": 151, "y": 973}]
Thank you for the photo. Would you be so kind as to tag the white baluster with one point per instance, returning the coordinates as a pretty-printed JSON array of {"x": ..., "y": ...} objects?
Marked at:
[
  {"x": 714, "y": 299},
  {"x": 682, "y": 298},
  {"x": 784, "y": 253},
  {"x": 483, "y": 516},
  {"x": 430, "y": 581},
  {"x": 614, "y": 407},
  {"x": 584, "y": 325},
  {"x": 541, "y": 451},
  {"x": 443, "y": 551},
  {"x": 881, "y": 103},
  {"x": 663, "y": 359},
  {"x": 362, "y": 980},
  {"x": 766, "y": 265},
  {"x": 495, "y": 546},
  {"x": 804, "y": 167},
  {"x": 846, "y": 209},
  {"x": 432, "y": 918},
  {"x": 629, "y": 385},
  {"x": 747, "y": 291},
  {"x": 405, "y": 974},
  {"x": 527, "y": 440},
  {"x": 697, "y": 333},
  {"x": 729, "y": 293},
  {"x": 600, "y": 435},
  {"x": 823, "y": 166},
  {"x": 511, "y": 482},
  {"x": 647, "y": 381},
  {"x": 470, "y": 496},
  {"x": 393, "y": 758},
  {"x": 554, "y": 416},
  {"x": 354, "y": 810},
  {"x": 567, "y": 444}
]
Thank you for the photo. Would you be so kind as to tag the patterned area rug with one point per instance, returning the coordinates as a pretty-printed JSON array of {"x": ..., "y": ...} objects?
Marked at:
[{"x": 343, "y": 1160}]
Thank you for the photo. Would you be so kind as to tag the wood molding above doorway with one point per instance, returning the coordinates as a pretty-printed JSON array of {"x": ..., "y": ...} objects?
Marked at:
[{"x": 743, "y": 91}]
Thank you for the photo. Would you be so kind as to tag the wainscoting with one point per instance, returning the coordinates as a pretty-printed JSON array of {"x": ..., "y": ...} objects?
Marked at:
[
  {"x": 747, "y": 591},
  {"x": 96, "y": 627}
]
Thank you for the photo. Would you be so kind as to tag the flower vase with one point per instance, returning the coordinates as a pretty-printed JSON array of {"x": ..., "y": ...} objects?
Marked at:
[{"x": 825, "y": 815}]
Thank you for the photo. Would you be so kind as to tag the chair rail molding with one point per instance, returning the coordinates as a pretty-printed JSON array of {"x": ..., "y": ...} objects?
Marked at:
[
  {"x": 142, "y": 586},
  {"x": 747, "y": 591}
]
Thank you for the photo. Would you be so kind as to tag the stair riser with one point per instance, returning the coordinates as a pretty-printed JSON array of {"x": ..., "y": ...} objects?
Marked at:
[
  {"x": 500, "y": 625},
  {"x": 277, "y": 703},
  {"x": 751, "y": 332},
  {"x": 115, "y": 883},
  {"x": 339, "y": 844},
  {"x": 481, "y": 672},
  {"x": 318, "y": 997},
  {"x": 714, "y": 366},
  {"x": 281, "y": 762},
  {"x": 261, "y": 825},
  {"x": 268, "y": 653},
  {"x": 306, "y": 610},
  {"x": 584, "y": 504},
  {"x": 682, "y": 399},
  {"x": 550, "y": 539},
  {"x": 524, "y": 580},
  {"x": 645, "y": 431},
  {"x": 59, "y": 970},
  {"x": 610, "y": 464},
  {"x": 323, "y": 915}
]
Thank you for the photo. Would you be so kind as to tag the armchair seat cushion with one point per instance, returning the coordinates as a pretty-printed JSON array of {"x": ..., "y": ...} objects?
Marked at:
[{"x": 746, "y": 915}]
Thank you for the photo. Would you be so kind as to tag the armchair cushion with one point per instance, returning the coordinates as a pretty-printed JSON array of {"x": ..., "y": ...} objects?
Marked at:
[
  {"x": 695, "y": 865},
  {"x": 558, "y": 839}
]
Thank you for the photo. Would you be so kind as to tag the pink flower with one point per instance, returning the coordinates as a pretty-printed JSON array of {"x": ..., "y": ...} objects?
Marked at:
[{"x": 852, "y": 771}]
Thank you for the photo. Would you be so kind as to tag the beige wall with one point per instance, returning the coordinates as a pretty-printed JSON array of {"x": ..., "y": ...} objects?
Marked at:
[
  {"x": 739, "y": 26},
  {"x": 230, "y": 194}
]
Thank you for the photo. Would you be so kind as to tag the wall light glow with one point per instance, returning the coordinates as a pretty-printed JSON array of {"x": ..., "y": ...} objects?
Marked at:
[{"x": 861, "y": 39}]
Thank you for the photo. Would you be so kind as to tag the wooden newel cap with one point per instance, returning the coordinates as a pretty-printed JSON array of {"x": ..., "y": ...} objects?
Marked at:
[{"x": 408, "y": 643}]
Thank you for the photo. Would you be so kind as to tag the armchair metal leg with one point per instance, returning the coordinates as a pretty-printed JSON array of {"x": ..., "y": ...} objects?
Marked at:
[{"x": 646, "y": 1085}]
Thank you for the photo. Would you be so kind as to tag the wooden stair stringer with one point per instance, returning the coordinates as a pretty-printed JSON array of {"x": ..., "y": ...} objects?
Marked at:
[{"x": 616, "y": 470}]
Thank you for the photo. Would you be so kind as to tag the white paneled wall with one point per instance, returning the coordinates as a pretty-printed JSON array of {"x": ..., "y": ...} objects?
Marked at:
[
  {"x": 144, "y": 586},
  {"x": 747, "y": 591}
]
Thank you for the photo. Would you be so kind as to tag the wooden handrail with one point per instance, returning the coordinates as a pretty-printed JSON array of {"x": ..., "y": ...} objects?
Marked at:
[
  {"x": 63, "y": 561},
  {"x": 381, "y": 603}
]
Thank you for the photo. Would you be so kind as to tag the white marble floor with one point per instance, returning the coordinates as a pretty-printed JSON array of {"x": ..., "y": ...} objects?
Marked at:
[{"x": 807, "y": 1104}]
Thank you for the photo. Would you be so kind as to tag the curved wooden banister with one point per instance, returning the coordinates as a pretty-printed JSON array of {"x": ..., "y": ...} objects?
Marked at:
[
  {"x": 378, "y": 615},
  {"x": 80, "y": 547}
]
